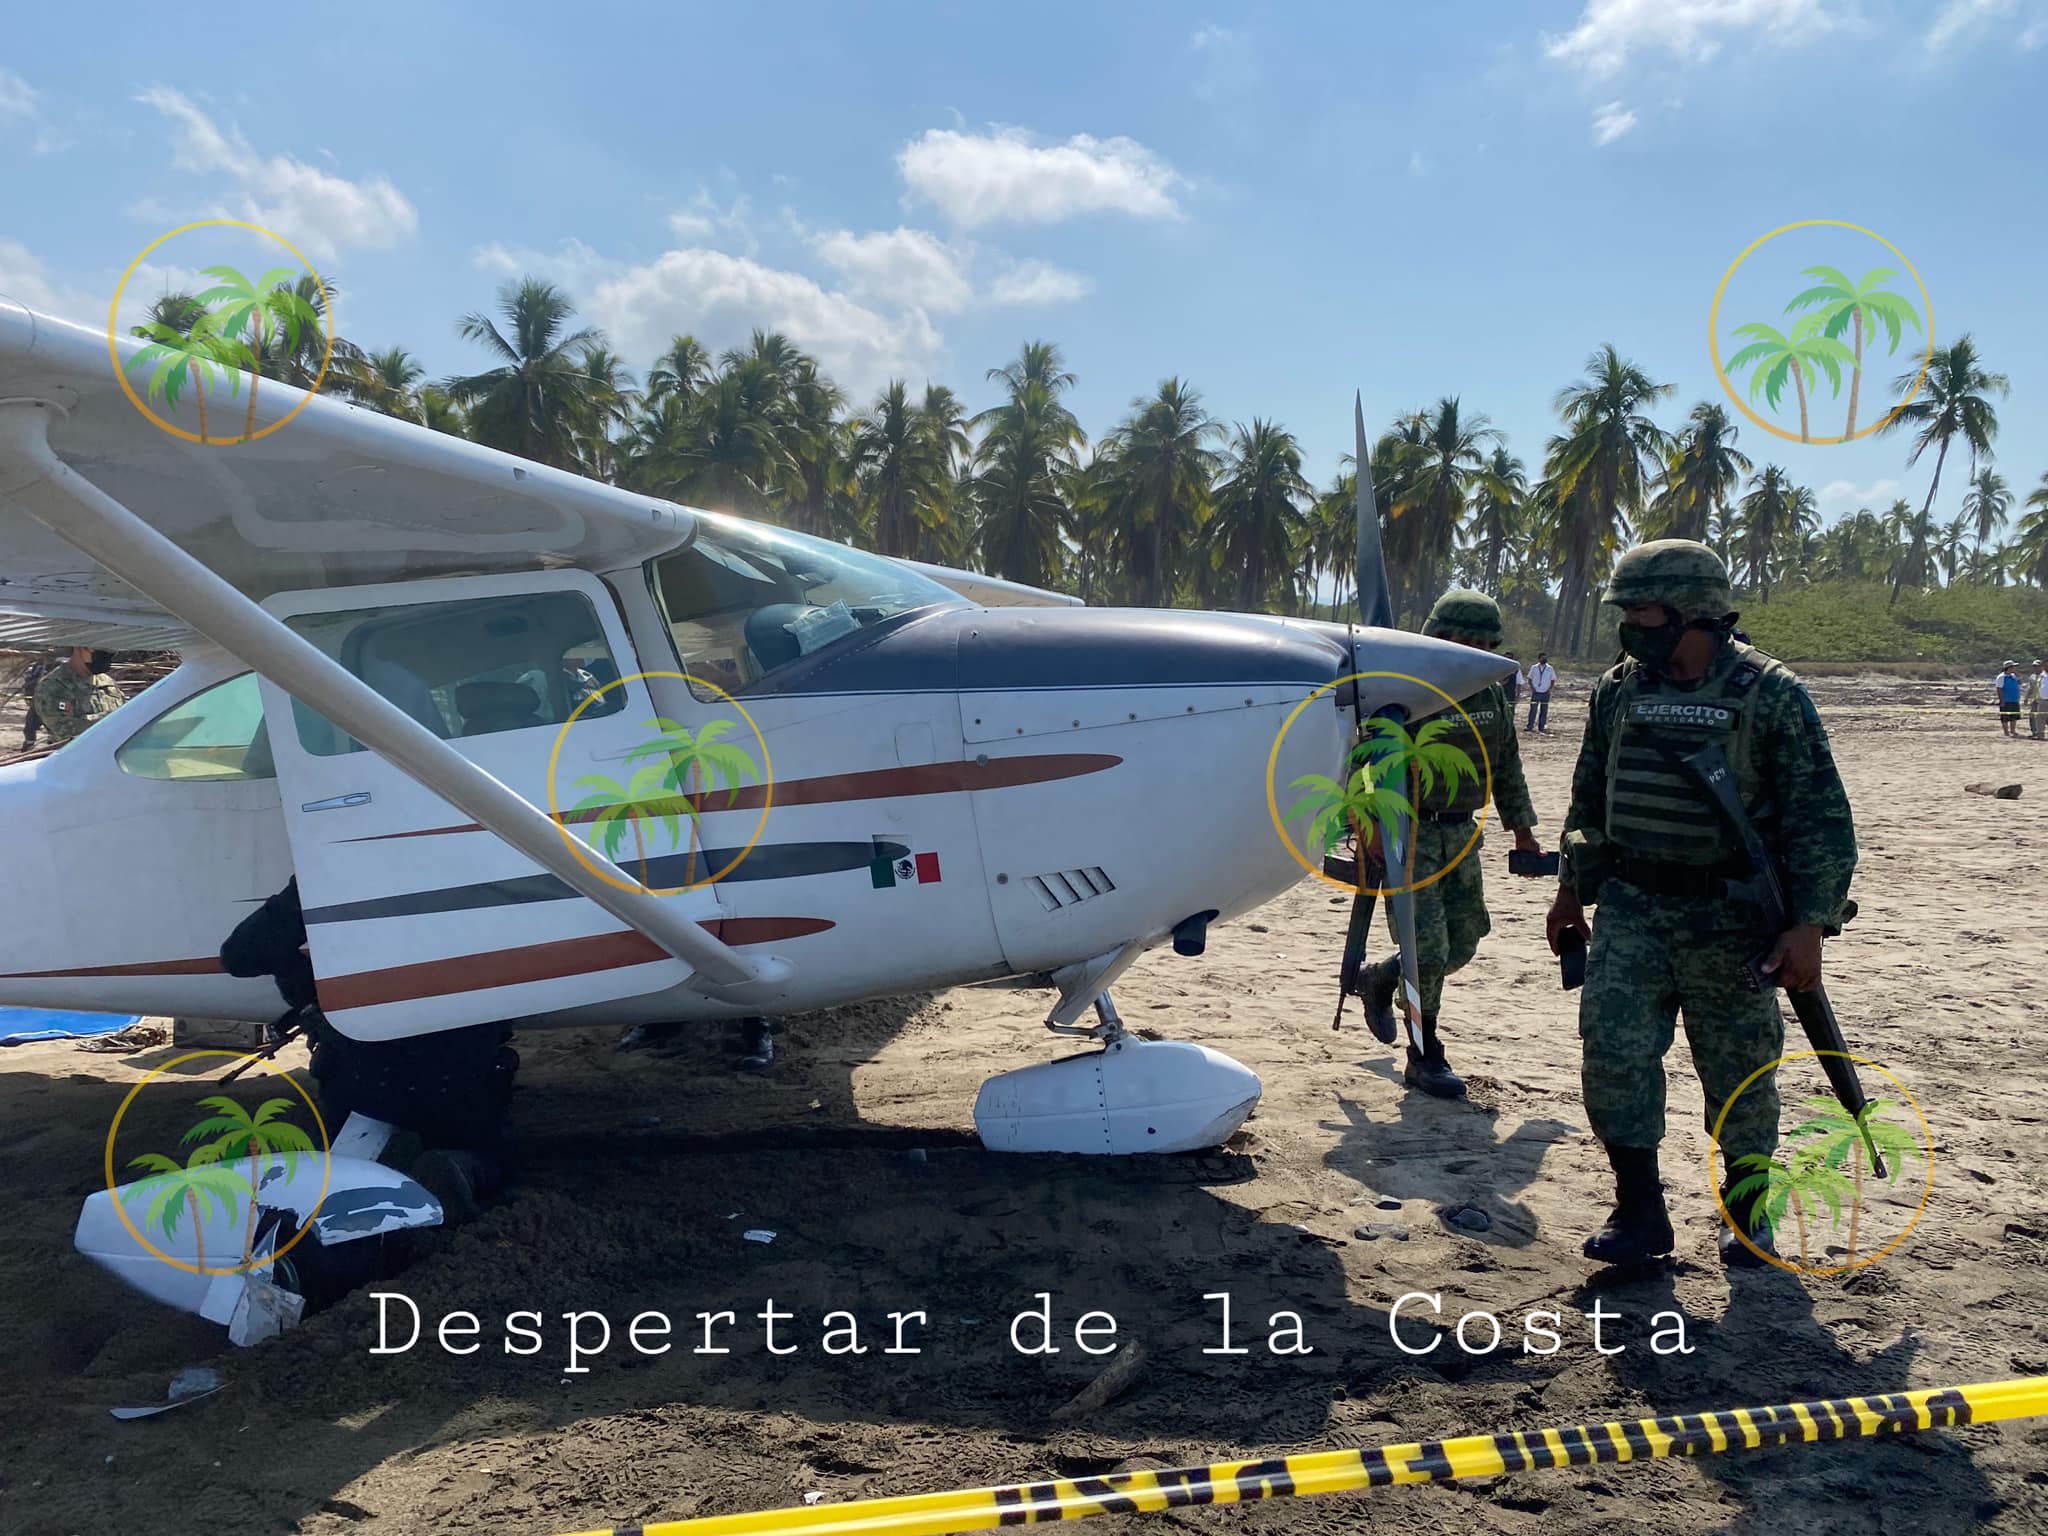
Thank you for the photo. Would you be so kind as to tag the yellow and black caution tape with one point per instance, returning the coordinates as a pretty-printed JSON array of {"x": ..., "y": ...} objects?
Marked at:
[{"x": 1431, "y": 1461}]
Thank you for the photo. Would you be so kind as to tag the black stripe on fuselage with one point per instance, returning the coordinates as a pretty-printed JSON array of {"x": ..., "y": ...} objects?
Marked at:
[{"x": 768, "y": 861}]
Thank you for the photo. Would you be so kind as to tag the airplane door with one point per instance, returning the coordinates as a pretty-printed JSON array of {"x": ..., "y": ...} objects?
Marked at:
[{"x": 416, "y": 918}]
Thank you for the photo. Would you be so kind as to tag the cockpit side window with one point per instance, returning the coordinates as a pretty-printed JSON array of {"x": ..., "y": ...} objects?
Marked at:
[
  {"x": 743, "y": 601},
  {"x": 471, "y": 667},
  {"x": 217, "y": 734}
]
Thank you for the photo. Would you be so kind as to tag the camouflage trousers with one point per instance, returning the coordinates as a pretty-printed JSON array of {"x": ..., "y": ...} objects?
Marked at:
[
  {"x": 1650, "y": 962},
  {"x": 1450, "y": 914}
]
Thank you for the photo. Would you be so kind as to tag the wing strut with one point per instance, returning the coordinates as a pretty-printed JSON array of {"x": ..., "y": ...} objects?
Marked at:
[{"x": 34, "y": 478}]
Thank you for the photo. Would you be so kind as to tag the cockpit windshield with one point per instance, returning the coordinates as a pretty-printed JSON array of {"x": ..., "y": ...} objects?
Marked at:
[{"x": 743, "y": 601}]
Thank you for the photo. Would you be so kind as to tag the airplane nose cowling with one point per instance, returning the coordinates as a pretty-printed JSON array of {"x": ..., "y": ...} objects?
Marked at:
[{"x": 1400, "y": 668}]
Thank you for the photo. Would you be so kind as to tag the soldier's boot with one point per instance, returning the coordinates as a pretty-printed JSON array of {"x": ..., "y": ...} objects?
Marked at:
[
  {"x": 1427, "y": 1068},
  {"x": 1381, "y": 978},
  {"x": 1638, "y": 1231},
  {"x": 1744, "y": 1211}
]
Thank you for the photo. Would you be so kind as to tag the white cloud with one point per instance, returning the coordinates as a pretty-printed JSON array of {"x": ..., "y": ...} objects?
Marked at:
[
  {"x": 1611, "y": 122},
  {"x": 907, "y": 267},
  {"x": 314, "y": 209},
  {"x": 982, "y": 178},
  {"x": 1227, "y": 63},
  {"x": 1038, "y": 282},
  {"x": 704, "y": 219},
  {"x": 1839, "y": 498},
  {"x": 1970, "y": 20},
  {"x": 17, "y": 97},
  {"x": 1610, "y": 32},
  {"x": 25, "y": 279},
  {"x": 721, "y": 298}
]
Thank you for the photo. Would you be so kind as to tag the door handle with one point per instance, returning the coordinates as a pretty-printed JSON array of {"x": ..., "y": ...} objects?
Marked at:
[{"x": 337, "y": 802}]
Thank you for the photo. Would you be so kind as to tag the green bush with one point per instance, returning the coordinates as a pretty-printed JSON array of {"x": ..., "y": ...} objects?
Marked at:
[{"x": 1849, "y": 622}]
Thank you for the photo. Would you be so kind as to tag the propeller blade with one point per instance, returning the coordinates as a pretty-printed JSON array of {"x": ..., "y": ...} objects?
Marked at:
[{"x": 1375, "y": 597}]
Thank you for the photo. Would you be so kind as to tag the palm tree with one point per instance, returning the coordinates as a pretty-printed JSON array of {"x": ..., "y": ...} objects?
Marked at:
[
  {"x": 1776, "y": 357},
  {"x": 1953, "y": 404},
  {"x": 816, "y": 476},
  {"x": 1949, "y": 545},
  {"x": 608, "y": 404},
  {"x": 1834, "y": 1137},
  {"x": 238, "y": 1134},
  {"x": 1022, "y": 465},
  {"x": 625, "y": 807},
  {"x": 1497, "y": 505},
  {"x": 192, "y": 356},
  {"x": 1166, "y": 469},
  {"x": 2029, "y": 552},
  {"x": 1804, "y": 1181},
  {"x": 903, "y": 478},
  {"x": 1988, "y": 502},
  {"x": 942, "y": 419},
  {"x": 173, "y": 1189},
  {"x": 1597, "y": 466},
  {"x": 388, "y": 381},
  {"x": 1855, "y": 307},
  {"x": 271, "y": 303},
  {"x": 1450, "y": 465},
  {"x": 1258, "y": 514},
  {"x": 1698, "y": 478},
  {"x": 680, "y": 371},
  {"x": 683, "y": 757},
  {"x": 1766, "y": 520},
  {"x": 533, "y": 402}
]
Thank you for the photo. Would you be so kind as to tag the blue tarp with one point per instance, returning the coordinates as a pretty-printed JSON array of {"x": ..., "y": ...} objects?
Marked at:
[{"x": 18, "y": 1026}]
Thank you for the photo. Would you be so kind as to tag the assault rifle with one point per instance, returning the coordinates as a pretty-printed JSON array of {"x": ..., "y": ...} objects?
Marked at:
[{"x": 1765, "y": 890}]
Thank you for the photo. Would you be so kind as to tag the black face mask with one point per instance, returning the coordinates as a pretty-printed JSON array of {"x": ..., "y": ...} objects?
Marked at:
[
  {"x": 1652, "y": 646},
  {"x": 101, "y": 660}
]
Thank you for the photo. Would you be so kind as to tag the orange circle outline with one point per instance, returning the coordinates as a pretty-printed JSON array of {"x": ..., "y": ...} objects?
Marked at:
[
  {"x": 326, "y": 1164},
  {"x": 1714, "y": 1146},
  {"x": 121, "y": 374},
  {"x": 1273, "y": 803},
  {"x": 1714, "y": 344},
  {"x": 577, "y": 849}
]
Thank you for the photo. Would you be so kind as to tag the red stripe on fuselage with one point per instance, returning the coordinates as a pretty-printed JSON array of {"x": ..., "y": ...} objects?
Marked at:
[{"x": 839, "y": 788}]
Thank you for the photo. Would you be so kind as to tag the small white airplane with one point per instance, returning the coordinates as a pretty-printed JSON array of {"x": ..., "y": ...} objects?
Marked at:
[{"x": 384, "y": 631}]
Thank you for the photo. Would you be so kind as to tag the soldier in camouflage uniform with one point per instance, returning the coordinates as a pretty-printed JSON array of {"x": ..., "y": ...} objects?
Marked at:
[
  {"x": 73, "y": 695},
  {"x": 1450, "y": 913},
  {"x": 1647, "y": 843}
]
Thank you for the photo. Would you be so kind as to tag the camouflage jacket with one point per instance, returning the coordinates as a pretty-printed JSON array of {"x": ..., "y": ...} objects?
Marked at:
[
  {"x": 68, "y": 703},
  {"x": 1808, "y": 822},
  {"x": 1495, "y": 723}
]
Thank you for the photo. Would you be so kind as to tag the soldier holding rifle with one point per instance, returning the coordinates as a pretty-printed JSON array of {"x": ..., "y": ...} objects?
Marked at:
[{"x": 1648, "y": 839}]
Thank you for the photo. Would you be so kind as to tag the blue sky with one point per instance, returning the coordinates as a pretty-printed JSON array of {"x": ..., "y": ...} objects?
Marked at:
[{"x": 1280, "y": 205}]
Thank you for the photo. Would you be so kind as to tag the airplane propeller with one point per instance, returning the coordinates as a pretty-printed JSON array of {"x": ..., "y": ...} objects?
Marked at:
[{"x": 1376, "y": 610}]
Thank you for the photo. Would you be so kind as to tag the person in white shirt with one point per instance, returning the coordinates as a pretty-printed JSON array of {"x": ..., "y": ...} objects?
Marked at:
[
  {"x": 2037, "y": 711},
  {"x": 1512, "y": 686},
  {"x": 1542, "y": 678}
]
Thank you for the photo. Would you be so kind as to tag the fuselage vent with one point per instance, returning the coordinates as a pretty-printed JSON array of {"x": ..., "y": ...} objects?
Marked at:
[{"x": 1069, "y": 887}]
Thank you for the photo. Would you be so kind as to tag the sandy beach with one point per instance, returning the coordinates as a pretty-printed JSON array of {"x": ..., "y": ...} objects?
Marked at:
[{"x": 636, "y": 1174}]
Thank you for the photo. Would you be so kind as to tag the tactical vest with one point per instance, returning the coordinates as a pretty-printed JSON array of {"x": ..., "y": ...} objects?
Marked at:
[
  {"x": 1654, "y": 807},
  {"x": 1489, "y": 711}
]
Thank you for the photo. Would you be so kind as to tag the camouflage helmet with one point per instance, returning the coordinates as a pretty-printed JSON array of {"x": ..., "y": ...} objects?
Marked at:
[
  {"x": 1685, "y": 576},
  {"x": 1462, "y": 614}
]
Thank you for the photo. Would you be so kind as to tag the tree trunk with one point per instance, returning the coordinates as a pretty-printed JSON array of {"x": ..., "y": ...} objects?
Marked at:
[
  {"x": 1856, "y": 376},
  {"x": 1799, "y": 1216},
  {"x": 1925, "y": 509},
  {"x": 198, "y": 1232},
  {"x": 696, "y": 798},
  {"x": 1799, "y": 385},
  {"x": 199, "y": 392}
]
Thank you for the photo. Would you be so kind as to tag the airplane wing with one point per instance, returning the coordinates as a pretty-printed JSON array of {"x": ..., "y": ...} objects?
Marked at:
[
  {"x": 108, "y": 517},
  {"x": 341, "y": 496},
  {"x": 993, "y": 591}
]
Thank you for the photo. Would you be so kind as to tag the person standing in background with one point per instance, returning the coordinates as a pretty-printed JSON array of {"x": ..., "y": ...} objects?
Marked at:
[
  {"x": 2037, "y": 712},
  {"x": 31, "y": 721},
  {"x": 1542, "y": 678},
  {"x": 1512, "y": 686},
  {"x": 73, "y": 695},
  {"x": 2007, "y": 686}
]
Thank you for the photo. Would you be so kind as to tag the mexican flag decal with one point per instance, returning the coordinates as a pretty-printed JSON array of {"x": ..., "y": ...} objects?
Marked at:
[{"x": 894, "y": 865}]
